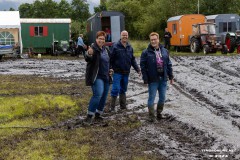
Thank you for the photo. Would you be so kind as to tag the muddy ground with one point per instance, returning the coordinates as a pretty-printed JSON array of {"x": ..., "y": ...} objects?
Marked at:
[{"x": 202, "y": 108}]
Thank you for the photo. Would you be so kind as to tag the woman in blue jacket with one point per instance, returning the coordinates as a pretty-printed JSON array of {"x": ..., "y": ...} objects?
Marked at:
[
  {"x": 156, "y": 69},
  {"x": 98, "y": 76}
]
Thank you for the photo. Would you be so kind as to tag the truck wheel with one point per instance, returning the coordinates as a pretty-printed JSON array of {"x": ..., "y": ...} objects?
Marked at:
[
  {"x": 1, "y": 57},
  {"x": 224, "y": 49},
  {"x": 205, "y": 49},
  {"x": 231, "y": 43},
  {"x": 195, "y": 45},
  {"x": 238, "y": 49}
]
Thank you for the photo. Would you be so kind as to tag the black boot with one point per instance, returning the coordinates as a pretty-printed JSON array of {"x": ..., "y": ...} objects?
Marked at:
[
  {"x": 98, "y": 117},
  {"x": 122, "y": 101},
  {"x": 151, "y": 112},
  {"x": 159, "y": 111},
  {"x": 113, "y": 104},
  {"x": 88, "y": 120}
]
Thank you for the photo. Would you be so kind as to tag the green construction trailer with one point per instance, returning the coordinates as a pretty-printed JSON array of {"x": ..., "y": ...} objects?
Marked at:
[{"x": 39, "y": 34}]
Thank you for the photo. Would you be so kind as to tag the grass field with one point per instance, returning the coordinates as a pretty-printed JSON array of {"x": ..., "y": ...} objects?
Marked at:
[
  {"x": 29, "y": 103},
  {"x": 139, "y": 46}
]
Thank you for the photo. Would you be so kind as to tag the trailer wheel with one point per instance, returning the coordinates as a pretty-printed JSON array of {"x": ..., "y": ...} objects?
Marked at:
[
  {"x": 205, "y": 49},
  {"x": 224, "y": 49},
  {"x": 230, "y": 42},
  {"x": 1, "y": 57},
  {"x": 195, "y": 45}
]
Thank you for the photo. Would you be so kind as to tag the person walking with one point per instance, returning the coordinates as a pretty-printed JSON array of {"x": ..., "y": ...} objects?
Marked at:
[
  {"x": 122, "y": 58},
  {"x": 98, "y": 76},
  {"x": 167, "y": 39},
  {"x": 156, "y": 68},
  {"x": 80, "y": 45}
]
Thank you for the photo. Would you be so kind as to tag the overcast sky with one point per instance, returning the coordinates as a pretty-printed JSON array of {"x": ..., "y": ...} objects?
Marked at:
[{"x": 6, "y": 4}]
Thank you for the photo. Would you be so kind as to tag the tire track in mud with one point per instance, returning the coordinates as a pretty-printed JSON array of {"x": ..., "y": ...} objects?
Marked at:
[
  {"x": 228, "y": 110},
  {"x": 175, "y": 140},
  {"x": 217, "y": 66},
  {"x": 217, "y": 109},
  {"x": 191, "y": 150}
]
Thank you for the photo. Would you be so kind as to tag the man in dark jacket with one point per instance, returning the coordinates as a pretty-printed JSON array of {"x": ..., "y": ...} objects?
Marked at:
[
  {"x": 156, "y": 69},
  {"x": 167, "y": 36},
  {"x": 121, "y": 60}
]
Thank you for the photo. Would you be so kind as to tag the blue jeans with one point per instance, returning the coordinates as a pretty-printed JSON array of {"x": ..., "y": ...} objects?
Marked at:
[
  {"x": 98, "y": 100},
  {"x": 161, "y": 87},
  {"x": 120, "y": 83}
]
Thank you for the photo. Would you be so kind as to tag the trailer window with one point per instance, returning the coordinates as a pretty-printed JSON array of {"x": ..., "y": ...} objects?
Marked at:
[
  {"x": 38, "y": 31},
  {"x": 6, "y": 38},
  {"x": 232, "y": 27},
  {"x": 227, "y": 26},
  {"x": 174, "y": 28}
]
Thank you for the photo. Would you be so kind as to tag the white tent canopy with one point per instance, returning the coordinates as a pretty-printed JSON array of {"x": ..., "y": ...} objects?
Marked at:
[{"x": 11, "y": 19}]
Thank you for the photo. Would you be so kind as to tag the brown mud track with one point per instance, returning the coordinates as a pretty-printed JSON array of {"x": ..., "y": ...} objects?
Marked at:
[{"x": 202, "y": 107}]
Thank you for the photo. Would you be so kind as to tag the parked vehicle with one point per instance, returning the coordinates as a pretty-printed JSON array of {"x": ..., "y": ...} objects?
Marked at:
[
  {"x": 238, "y": 41},
  {"x": 6, "y": 49},
  {"x": 64, "y": 47},
  {"x": 10, "y": 33},
  {"x": 226, "y": 27},
  {"x": 180, "y": 28},
  {"x": 39, "y": 33},
  {"x": 204, "y": 37}
]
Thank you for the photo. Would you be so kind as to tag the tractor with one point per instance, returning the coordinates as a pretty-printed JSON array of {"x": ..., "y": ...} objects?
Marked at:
[
  {"x": 204, "y": 37},
  {"x": 238, "y": 41},
  {"x": 64, "y": 47}
]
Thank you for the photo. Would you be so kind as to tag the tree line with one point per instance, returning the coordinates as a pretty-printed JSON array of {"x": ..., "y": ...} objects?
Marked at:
[{"x": 141, "y": 16}]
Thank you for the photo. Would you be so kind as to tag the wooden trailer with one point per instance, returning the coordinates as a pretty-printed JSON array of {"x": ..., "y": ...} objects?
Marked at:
[{"x": 181, "y": 28}]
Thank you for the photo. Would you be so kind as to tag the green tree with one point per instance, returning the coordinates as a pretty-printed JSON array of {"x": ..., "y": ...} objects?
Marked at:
[
  {"x": 219, "y": 7},
  {"x": 101, "y": 7},
  {"x": 80, "y": 10},
  {"x": 64, "y": 9},
  {"x": 25, "y": 10},
  {"x": 11, "y": 9}
]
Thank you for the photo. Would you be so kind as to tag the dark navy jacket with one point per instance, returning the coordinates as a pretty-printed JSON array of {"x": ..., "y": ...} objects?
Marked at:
[
  {"x": 149, "y": 66},
  {"x": 121, "y": 58}
]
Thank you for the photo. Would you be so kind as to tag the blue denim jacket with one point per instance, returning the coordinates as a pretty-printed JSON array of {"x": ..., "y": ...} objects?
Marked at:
[
  {"x": 121, "y": 58},
  {"x": 149, "y": 66}
]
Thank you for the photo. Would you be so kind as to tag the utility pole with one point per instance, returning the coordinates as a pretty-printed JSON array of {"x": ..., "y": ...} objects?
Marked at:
[{"x": 198, "y": 6}]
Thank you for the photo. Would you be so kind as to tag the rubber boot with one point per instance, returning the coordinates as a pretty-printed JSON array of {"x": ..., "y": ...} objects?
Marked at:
[
  {"x": 159, "y": 111},
  {"x": 151, "y": 112},
  {"x": 98, "y": 117},
  {"x": 88, "y": 120},
  {"x": 122, "y": 101},
  {"x": 113, "y": 104}
]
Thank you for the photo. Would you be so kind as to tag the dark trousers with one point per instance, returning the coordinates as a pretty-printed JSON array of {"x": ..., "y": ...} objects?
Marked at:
[
  {"x": 167, "y": 44},
  {"x": 80, "y": 50}
]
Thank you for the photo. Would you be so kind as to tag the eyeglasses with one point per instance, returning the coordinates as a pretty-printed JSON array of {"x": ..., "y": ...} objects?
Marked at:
[
  {"x": 103, "y": 39},
  {"x": 153, "y": 39}
]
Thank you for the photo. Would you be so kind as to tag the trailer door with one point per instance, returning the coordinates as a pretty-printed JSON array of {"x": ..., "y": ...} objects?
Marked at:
[{"x": 115, "y": 28}]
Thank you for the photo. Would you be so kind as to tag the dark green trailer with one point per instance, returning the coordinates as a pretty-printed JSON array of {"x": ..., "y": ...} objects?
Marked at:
[{"x": 39, "y": 34}]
